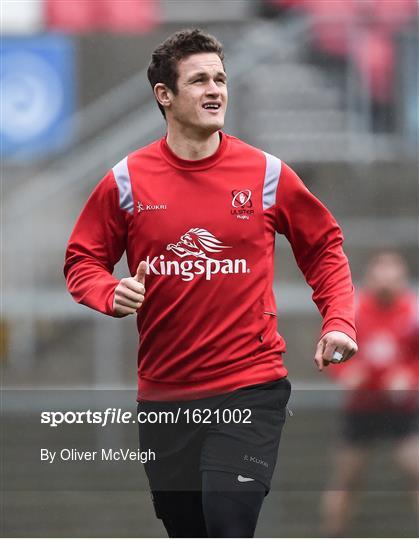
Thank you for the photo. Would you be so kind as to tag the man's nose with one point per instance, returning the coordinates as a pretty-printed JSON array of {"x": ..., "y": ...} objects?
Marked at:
[{"x": 212, "y": 88}]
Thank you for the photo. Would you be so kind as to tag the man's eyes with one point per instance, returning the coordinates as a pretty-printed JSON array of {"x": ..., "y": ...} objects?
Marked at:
[{"x": 201, "y": 80}]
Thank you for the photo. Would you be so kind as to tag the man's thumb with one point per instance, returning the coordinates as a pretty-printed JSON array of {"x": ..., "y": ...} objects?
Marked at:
[{"x": 141, "y": 271}]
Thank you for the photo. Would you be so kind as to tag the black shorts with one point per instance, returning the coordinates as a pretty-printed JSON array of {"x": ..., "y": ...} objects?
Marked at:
[
  {"x": 237, "y": 432},
  {"x": 367, "y": 427}
]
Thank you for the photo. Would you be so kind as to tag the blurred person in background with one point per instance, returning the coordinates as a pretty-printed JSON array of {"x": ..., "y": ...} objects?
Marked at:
[
  {"x": 381, "y": 386},
  {"x": 197, "y": 212}
]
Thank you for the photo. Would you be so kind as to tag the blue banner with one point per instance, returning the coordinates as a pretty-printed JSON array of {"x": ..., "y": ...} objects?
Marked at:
[{"x": 37, "y": 95}]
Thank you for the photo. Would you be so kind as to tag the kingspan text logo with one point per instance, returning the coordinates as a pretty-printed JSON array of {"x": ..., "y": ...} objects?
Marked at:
[{"x": 197, "y": 243}]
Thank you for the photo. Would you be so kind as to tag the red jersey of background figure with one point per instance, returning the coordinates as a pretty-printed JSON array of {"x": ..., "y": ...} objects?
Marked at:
[
  {"x": 385, "y": 373},
  {"x": 206, "y": 229}
]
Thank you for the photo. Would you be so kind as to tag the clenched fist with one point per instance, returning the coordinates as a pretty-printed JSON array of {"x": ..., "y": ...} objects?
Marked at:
[
  {"x": 129, "y": 293},
  {"x": 334, "y": 343}
]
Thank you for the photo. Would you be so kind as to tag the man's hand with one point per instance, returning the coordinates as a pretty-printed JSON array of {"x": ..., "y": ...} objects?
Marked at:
[
  {"x": 334, "y": 342},
  {"x": 129, "y": 293}
]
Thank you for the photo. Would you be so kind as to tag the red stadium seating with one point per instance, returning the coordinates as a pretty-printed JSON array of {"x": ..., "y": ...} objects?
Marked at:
[{"x": 93, "y": 15}]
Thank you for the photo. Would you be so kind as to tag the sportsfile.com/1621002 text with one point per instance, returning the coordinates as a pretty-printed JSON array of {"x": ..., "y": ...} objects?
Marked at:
[{"x": 114, "y": 415}]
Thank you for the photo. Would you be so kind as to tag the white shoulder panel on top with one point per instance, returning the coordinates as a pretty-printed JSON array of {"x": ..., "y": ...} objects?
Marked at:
[
  {"x": 270, "y": 185},
  {"x": 121, "y": 174}
]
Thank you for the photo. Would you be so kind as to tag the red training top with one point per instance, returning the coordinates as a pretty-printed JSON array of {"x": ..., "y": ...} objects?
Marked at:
[
  {"x": 385, "y": 373},
  {"x": 207, "y": 228}
]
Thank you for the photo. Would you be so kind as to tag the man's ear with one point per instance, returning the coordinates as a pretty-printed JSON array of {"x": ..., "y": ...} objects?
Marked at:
[{"x": 163, "y": 95}]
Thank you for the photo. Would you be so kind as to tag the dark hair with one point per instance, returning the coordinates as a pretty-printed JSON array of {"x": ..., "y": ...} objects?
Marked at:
[{"x": 180, "y": 45}]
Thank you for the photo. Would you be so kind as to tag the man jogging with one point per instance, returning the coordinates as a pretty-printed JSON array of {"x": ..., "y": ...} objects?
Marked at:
[{"x": 197, "y": 213}]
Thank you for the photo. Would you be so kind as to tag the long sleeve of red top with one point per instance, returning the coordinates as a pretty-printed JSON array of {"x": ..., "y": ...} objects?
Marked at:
[
  {"x": 95, "y": 246},
  {"x": 316, "y": 240}
]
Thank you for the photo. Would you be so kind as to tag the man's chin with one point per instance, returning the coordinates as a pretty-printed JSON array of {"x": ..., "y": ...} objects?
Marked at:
[{"x": 211, "y": 127}]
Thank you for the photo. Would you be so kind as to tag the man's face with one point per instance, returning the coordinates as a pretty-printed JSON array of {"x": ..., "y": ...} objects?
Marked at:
[
  {"x": 201, "y": 99},
  {"x": 387, "y": 276}
]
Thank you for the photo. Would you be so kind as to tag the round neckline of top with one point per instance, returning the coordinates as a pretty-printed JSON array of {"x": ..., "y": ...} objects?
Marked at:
[{"x": 194, "y": 164}]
